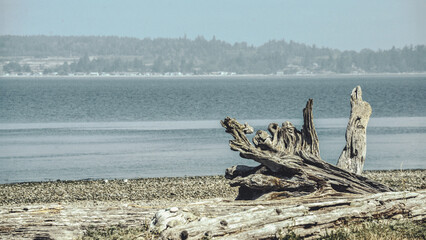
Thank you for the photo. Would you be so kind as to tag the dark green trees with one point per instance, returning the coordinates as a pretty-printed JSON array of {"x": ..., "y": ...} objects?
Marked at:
[{"x": 161, "y": 55}]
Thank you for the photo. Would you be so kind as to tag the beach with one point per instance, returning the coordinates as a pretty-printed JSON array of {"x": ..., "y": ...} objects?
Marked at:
[
  {"x": 163, "y": 189},
  {"x": 145, "y": 189},
  {"x": 66, "y": 209}
]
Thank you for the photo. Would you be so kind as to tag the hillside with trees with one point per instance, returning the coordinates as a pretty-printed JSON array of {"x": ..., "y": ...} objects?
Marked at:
[{"x": 105, "y": 54}]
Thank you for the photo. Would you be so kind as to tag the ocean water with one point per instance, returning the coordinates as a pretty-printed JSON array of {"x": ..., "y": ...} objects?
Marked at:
[{"x": 90, "y": 128}]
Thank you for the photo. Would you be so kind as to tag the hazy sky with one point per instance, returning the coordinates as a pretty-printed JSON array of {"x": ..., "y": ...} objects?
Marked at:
[{"x": 342, "y": 24}]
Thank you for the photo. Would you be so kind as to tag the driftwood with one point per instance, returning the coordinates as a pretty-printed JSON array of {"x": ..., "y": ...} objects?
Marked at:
[
  {"x": 293, "y": 188},
  {"x": 353, "y": 155},
  {"x": 308, "y": 217},
  {"x": 68, "y": 220},
  {"x": 290, "y": 159}
]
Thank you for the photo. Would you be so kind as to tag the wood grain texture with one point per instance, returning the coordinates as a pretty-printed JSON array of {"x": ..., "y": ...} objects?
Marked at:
[{"x": 308, "y": 217}]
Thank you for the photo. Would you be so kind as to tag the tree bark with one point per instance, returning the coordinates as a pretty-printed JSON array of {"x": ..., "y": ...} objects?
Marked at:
[
  {"x": 290, "y": 163},
  {"x": 352, "y": 158}
]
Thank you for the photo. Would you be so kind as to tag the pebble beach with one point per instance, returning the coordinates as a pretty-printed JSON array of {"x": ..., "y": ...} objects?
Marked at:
[
  {"x": 163, "y": 189},
  {"x": 79, "y": 209}
]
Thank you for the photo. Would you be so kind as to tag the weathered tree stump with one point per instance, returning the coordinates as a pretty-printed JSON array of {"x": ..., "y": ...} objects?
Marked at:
[
  {"x": 352, "y": 158},
  {"x": 290, "y": 162}
]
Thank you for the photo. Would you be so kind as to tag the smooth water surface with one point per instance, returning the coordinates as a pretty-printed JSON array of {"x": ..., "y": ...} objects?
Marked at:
[{"x": 79, "y": 128}]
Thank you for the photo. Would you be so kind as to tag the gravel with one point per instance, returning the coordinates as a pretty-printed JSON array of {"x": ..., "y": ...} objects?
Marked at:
[
  {"x": 145, "y": 189},
  {"x": 159, "y": 189}
]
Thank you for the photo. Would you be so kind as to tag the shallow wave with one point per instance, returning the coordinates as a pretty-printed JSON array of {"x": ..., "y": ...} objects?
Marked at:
[{"x": 209, "y": 124}]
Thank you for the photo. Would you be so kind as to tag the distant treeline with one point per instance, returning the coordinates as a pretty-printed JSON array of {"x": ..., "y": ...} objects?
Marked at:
[{"x": 111, "y": 54}]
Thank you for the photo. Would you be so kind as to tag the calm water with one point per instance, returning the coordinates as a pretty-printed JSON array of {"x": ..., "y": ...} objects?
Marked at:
[{"x": 63, "y": 128}]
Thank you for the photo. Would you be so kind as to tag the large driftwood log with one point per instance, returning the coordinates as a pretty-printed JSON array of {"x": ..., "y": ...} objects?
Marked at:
[
  {"x": 309, "y": 216},
  {"x": 352, "y": 158},
  {"x": 290, "y": 163},
  {"x": 293, "y": 187}
]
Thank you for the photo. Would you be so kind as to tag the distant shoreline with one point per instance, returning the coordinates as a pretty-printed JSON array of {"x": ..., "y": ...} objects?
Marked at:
[{"x": 285, "y": 76}]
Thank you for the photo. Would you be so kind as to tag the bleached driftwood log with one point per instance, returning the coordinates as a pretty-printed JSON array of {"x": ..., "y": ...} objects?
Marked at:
[
  {"x": 308, "y": 216},
  {"x": 293, "y": 188},
  {"x": 290, "y": 163},
  {"x": 352, "y": 158}
]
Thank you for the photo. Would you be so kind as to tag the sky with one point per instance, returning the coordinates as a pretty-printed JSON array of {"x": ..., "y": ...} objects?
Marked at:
[{"x": 344, "y": 25}]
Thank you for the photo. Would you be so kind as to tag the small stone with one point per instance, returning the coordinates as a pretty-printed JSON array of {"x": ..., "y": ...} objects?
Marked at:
[{"x": 174, "y": 209}]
